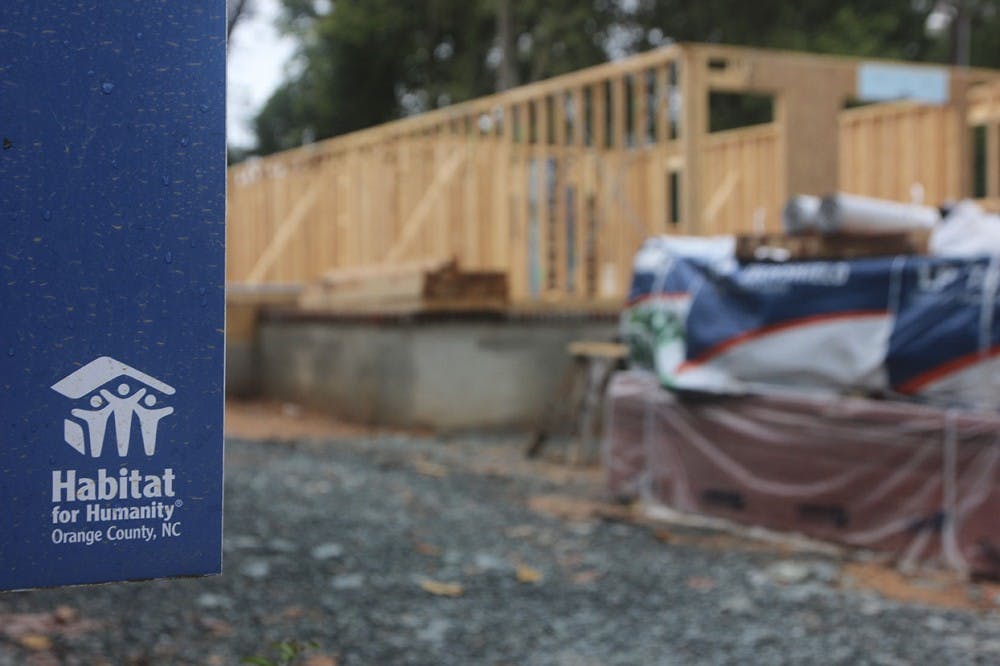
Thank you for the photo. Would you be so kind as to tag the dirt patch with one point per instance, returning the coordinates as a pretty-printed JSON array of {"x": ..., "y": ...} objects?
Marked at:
[
  {"x": 283, "y": 421},
  {"x": 263, "y": 420},
  {"x": 932, "y": 588},
  {"x": 578, "y": 509},
  {"x": 584, "y": 500}
]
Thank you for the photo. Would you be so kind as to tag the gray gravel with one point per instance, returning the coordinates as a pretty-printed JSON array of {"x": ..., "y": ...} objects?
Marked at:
[{"x": 331, "y": 542}]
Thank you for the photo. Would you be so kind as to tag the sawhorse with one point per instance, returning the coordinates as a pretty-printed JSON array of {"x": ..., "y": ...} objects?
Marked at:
[{"x": 578, "y": 404}]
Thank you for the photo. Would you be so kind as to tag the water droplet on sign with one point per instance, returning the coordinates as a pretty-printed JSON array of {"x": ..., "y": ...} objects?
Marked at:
[
  {"x": 168, "y": 257},
  {"x": 165, "y": 180},
  {"x": 184, "y": 141},
  {"x": 10, "y": 351},
  {"x": 107, "y": 87},
  {"x": 201, "y": 291},
  {"x": 46, "y": 215},
  {"x": 114, "y": 164},
  {"x": 203, "y": 108}
]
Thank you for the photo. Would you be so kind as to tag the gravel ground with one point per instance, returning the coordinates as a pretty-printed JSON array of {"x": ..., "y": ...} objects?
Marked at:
[{"x": 407, "y": 550}]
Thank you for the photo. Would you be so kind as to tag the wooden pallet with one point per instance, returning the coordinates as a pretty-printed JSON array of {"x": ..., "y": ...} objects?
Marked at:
[{"x": 815, "y": 246}]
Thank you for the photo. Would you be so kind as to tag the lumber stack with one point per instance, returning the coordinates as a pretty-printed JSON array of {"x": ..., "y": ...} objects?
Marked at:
[
  {"x": 842, "y": 226},
  {"x": 426, "y": 286},
  {"x": 815, "y": 246}
]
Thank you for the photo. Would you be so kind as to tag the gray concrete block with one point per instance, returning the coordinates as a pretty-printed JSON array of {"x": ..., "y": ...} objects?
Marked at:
[{"x": 444, "y": 374}]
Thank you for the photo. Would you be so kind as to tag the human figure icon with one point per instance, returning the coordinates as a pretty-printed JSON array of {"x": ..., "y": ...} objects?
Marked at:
[
  {"x": 124, "y": 406},
  {"x": 149, "y": 420},
  {"x": 97, "y": 423},
  {"x": 127, "y": 394}
]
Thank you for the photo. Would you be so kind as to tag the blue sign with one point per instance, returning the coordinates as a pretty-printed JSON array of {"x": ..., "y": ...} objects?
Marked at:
[
  {"x": 112, "y": 219},
  {"x": 884, "y": 82}
]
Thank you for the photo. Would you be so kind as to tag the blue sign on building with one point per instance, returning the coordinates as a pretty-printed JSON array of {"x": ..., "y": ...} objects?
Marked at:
[
  {"x": 112, "y": 220},
  {"x": 886, "y": 82}
]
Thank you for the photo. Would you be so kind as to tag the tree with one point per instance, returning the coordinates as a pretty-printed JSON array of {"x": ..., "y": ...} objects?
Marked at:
[
  {"x": 369, "y": 61},
  {"x": 972, "y": 32},
  {"x": 364, "y": 62},
  {"x": 883, "y": 28}
]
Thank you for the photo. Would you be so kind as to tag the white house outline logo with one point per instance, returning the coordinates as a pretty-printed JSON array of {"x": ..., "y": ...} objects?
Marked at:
[{"x": 121, "y": 406}]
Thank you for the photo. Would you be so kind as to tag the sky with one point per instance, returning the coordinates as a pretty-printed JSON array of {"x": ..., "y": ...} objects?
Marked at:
[{"x": 258, "y": 56}]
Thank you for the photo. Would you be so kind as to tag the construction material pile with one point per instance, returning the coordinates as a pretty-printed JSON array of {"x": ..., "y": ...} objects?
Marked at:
[
  {"x": 439, "y": 285},
  {"x": 915, "y": 481},
  {"x": 850, "y": 398},
  {"x": 920, "y": 326}
]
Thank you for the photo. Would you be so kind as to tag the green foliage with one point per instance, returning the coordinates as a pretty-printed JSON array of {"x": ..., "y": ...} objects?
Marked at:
[
  {"x": 369, "y": 61},
  {"x": 364, "y": 62},
  {"x": 554, "y": 37},
  {"x": 288, "y": 653},
  {"x": 985, "y": 43},
  {"x": 885, "y": 28}
]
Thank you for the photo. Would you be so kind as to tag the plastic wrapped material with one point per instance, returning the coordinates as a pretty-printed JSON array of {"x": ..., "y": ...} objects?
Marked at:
[
  {"x": 919, "y": 482},
  {"x": 665, "y": 273},
  {"x": 946, "y": 336},
  {"x": 849, "y": 213},
  {"x": 632, "y": 397},
  {"x": 707, "y": 325},
  {"x": 966, "y": 231},
  {"x": 926, "y": 327}
]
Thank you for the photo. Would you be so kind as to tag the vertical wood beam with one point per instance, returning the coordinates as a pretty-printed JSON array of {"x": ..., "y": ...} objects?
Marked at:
[
  {"x": 471, "y": 222},
  {"x": 559, "y": 213},
  {"x": 541, "y": 106},
  {"x": 808, "y": 111},
  {"x": 520, "y": 273},
  {"x": 959, "y": 92},
  {"x": 579, "y": 152},
  {"x": 694, "y": 128},
  {"x": 993, "y": 160},
  {"x": 596, "y": 186},
  {"x": 640, "y": 109},
  {"x": 619, "y": 121}
]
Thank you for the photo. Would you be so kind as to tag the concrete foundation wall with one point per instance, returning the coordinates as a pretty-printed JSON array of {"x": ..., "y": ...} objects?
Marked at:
[
  {"x": 445, "y": 374},
  {"x": 241, "y": 370}
]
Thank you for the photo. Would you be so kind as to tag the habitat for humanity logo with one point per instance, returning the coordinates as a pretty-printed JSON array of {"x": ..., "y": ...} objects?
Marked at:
[{"x": 117, "y": 392}]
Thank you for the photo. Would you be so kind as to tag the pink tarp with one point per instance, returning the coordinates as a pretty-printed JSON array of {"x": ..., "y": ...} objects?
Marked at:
[{"x": 917, "y": 481}]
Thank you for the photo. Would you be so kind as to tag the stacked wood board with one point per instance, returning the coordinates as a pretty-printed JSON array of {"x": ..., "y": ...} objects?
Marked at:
[
  {"x": 439, "y": 285},
  {"x": 815, "y": 246}
]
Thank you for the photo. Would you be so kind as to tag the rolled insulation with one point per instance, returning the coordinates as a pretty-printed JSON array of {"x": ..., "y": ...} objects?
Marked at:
[
  {"x": 801, "y": 214},
  {"x": 852, "y": 214}
]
